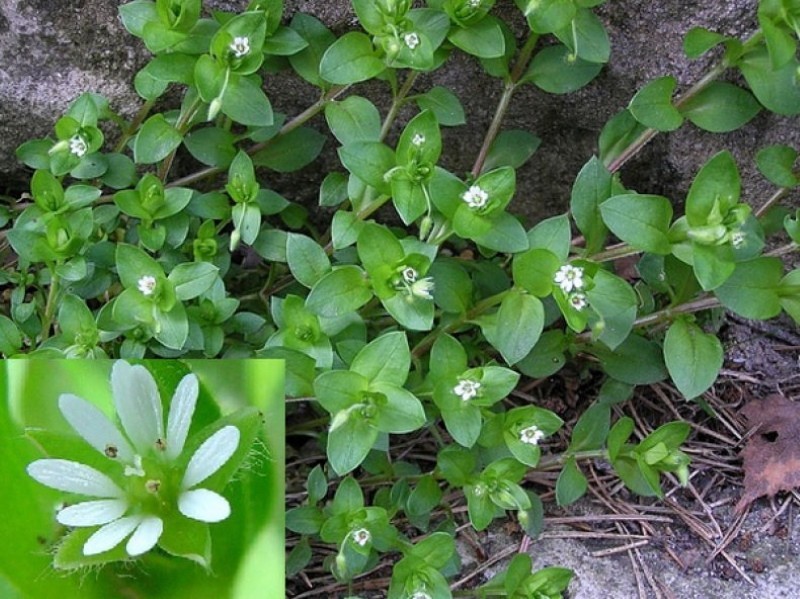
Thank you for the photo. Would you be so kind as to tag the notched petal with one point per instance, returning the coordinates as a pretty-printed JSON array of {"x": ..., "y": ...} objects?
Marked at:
[
  {"x": 138, "y": 404},
  {"x": 109, "y": 536},
  {"x": 204, "y": 505},
  {"x": 145, "y": 536},
  {"x": 211, "y": 456},
  {"x": 181, "y": 411},
  {"x": 92, "y": 513},
  {"x": 73, "y": 477},
  {"x": 91, "y": 424}
]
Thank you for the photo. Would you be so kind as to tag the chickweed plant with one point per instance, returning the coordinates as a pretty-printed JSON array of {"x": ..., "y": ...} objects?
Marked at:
[{"x": 413, "y": 301}]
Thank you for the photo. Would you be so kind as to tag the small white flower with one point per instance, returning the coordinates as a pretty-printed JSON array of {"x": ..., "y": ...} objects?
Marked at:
[
  {"x": 738, "y": 239},
  {"x": 578, "y": 301},
  {"x": 144, "y": 451},
  {"x": 240, "y": 46},
  {"x": 409, "y": 274},
  {"x": 479, "y": 490},
  {"x": 423, "y": 288},
  {"x": 418, "y": 139},
  {"x": 78, "y": 145},
  {"x": 475, "y": 197},
  {"x": 569, "y": 277},
  {"x": 531, "y": 435},
  {"x": 411, "y": 40},
  {"x": 420, "y": 595},
  {"x": 361, "y": 536},
  {"x": 474, "y": 3},
  {"x": 467, "y": 389},
  {"x": 146, "y": 284}
]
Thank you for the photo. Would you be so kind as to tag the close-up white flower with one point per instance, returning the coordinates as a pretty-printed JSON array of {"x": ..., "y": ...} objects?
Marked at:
[
  {"x": 146, "y": 284},
  {"x": 78, "y": 146},
  {"x": 466, "y": 389},
  {"x": 578, "y": 301},
  {"x": 418, "y": 139},
  {"x": 145, "y": 484},
  {"x": 240, "y": 46},
  {"x": 423, "y": 288},
  {"x": 361, "y": 536},
  {"x": 411, "y": 40},
  {"x": 569, "y": 278},
  {"x": 531, "y": 435},
  {"x": 475, "y": 197}
]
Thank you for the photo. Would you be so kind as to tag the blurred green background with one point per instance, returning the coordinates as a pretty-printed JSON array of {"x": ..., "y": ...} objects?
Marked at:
[{"x": 247, "y": 548}]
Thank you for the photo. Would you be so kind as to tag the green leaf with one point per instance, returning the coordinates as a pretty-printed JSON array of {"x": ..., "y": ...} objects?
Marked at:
[
  {"x": 618, "y": 435},
  {"x": 212, "y": 146},
  {"x": 652, "y": 105},
  {"x": 720, "y": 107},
  {"x": 617, "y": 135},
  {"x": 693, "y": 358},
  {"x": 192, "y": 279},
  {"x": 401, "y": 413},
  {"x": 520, "y": 321},
  {"x": 553, "y": 70},
  {"x": 483, "y": 39},
  {"x": 591, "y": 430},
  {"x": 534, "y": 271},
  {"x": 339, "y": 292},
  {"x": 345, "y": 229},
  {"x": 712, "y": 265},
  {"x": 133, "y": 263},
  {"x": 307, "y": 260},
  {"x": 636, "y": 361},
  {"x": 353, "y": 119},
  {"x": 378, "y": 249},
  {"x": 640, "y": 220},
  {"x": 350, "y": 59},
  {"x": 511, "y": 148},
  {"x": 699, "y": 40},
  {"x": 586, "y": 36},
  {"x": 752, "y": 290},
  {"x": 776, "y": 89},
  {"x": 504, "y": 233},
  {"x": 781, "y": 44},
  {"x": 369, "y": 161},
  {"x": 616, "y": 303},
  {"x": 571, "y": 484},
  {"x": 386, "y": 359},
  {"x": 135, "y": 15},
  {"x": 592, "y": 187},
  {"x": 172, "y": 327},
  {"x": 776, "y": 163},
  {"x": 305, "y": 519},
  {"x": 313, "y": 31},
  {"x": 155, "y": 140},
  {"x": 291, "y": 151},
  {"x": 547, "y": 357},
  {"x": 444, "y": 104},
  {"x": 349, "y": 444},
  {"x": 715, "y": 189},
  {"x": 549, "y": 16},
  {"x": 245, "y": 102}
]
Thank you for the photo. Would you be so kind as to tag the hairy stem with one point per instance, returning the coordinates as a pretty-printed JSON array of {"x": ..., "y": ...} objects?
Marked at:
[
  {"x": 397, "y": 103},
  {"x": 52, "y": 301}
]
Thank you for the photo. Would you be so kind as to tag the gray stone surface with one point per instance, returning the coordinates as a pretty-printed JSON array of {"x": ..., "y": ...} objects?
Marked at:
[{"x": 49, "y": 55}]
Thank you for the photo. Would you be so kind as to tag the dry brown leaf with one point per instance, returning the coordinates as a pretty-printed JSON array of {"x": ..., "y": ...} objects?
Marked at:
[{"x": 772, "y": 455}]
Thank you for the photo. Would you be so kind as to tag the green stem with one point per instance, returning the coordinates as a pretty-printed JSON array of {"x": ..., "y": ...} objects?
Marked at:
[
  {"x": 181, "y": 126},
  {"x": 623, "y": 250},
  {"x": 560, "y": 459},
  {"x": 50, "y": 306},
  {"x": 666, "y": 315},
  {"x": 712, "y": 74},
  {"x": 397, "y": 103},
  {"x": 774, "y": 199},
  {"x": 293, "y": 124},
  {"x": 517, "y": 72},
  {"x": 134, "y": 125}
]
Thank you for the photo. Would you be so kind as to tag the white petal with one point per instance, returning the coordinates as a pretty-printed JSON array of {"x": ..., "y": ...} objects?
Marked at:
[
  {"x": 180, "y": 415},
  {"x": 91, "y": 424},
  {"x": 146, "y": 536},
  {"x": 211, "y": 455},
  {"x": 138, "y": 404},
  {"x": 204, "y": 505},
  {"x": 73, "y": 477},
  {"x": 110, "y": 535},
  {"x": 92, "y": 513}
]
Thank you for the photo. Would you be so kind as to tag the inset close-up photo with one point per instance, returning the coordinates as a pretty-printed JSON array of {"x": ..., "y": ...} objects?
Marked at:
[{"x": 156, "y": 478}]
